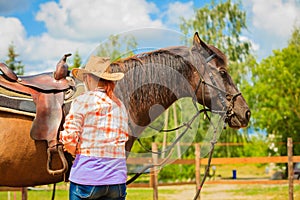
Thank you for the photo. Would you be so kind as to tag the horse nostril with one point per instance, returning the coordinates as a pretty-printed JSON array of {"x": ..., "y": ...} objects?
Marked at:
[{"x": 248, "y": 115}]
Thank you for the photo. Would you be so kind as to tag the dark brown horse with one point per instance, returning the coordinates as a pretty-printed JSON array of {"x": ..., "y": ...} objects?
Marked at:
[{"x": 156, "y": 78}]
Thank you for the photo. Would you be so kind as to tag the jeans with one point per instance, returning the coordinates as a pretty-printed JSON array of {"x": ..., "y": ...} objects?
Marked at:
[{"x": 103, "y": 192}]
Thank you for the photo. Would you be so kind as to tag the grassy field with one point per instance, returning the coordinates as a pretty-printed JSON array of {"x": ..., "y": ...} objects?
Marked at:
[
  {"x": 187, "y": 192},
  {"x": 183, "y": 192}
]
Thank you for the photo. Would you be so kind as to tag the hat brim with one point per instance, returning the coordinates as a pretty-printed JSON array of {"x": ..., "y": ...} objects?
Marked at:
[{"x": 78, "y": 73}]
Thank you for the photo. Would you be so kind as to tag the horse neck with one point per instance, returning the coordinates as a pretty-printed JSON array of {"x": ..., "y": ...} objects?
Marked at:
[{"x": 152, "y": 83}]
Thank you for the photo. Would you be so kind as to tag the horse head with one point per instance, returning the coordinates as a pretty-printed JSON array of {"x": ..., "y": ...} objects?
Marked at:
[{"x": 214, "y": 87}]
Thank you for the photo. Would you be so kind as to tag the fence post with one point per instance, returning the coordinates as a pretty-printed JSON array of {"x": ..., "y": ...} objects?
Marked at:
[
  {"x": 290, "y": 168},
  {"x": 197, "y": 166},
  {"x": 154, "y": 173},
  {"x": 24, "y": 193},
  {"x": 176, "y": 131}
]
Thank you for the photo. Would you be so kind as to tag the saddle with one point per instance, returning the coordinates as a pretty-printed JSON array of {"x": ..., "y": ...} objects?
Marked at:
[{"x": 42, "y": 96}]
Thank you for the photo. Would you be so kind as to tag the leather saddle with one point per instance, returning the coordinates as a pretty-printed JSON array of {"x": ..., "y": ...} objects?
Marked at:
[{"x": 44, "y": 96}]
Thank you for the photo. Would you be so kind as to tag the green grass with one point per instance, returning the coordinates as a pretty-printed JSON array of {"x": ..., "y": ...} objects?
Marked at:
[
  {"x": 185, "y": 192},
  {"x": 36, "y": 195},
  {"x": 132, "y": 193},
  {"x": 243, "y": 171},
  {"x": 251, "y": 192},
  {"x": 277, "y": 192}
]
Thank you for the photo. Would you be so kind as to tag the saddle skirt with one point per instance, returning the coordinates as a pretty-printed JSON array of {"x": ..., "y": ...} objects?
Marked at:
[
  {"x": 46, "y": 105},
  {"x": 47, "y": 98},
  {"x": 41, "y": 96}
]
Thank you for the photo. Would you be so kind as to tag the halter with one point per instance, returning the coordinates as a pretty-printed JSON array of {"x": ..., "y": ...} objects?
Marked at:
[{"x": 227, "y": 112}]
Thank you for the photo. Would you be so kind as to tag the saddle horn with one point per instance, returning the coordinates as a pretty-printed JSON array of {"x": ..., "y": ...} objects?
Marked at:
[
  {"x": 62, "y": 68},
  {"x": 7, "y": 72}
]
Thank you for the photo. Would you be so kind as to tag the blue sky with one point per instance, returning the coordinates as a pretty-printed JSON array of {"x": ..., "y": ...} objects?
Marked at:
[{"x": 43, "y": 30}]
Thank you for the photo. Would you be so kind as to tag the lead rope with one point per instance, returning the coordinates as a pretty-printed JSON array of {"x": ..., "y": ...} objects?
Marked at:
[
  {"x": 206, "y": 170},
  {"x": 53, "y": 191},
  {"x": 213, "y": 142},
  {"x": 165, "y": 160},
  {"x": 187, "y": 126},
  {"x": 170, "y": 148}
]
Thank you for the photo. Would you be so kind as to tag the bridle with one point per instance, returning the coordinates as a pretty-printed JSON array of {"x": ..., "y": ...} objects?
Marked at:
[
  {"x": 227, "y": 109},
  {"x": 226, "y": 113}
]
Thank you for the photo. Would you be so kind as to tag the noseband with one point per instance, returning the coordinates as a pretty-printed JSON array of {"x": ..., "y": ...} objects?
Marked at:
[{"x": 227, "y": 109}]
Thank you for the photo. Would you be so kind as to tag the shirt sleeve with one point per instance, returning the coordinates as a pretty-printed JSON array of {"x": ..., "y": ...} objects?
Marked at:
[{"x": 73, "y": 125}]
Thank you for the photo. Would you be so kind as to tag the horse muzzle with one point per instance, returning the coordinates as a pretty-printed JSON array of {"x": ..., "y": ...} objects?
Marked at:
[{"x": 238, "y": 120}]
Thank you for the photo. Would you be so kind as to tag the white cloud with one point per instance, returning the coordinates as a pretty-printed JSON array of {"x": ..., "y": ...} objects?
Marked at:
[
  {"x": 277, "y": 16},
  {"x": 37, "y": 53},
  {"x": 45, "y": 51},
  {"x": 12, "y": 31},
  {"x": 82, "y": 19},
  {"x": 77, "y": 25},
  {"x": 178, "y": 9}
]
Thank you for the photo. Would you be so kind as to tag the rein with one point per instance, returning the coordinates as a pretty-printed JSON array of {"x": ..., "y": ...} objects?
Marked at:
[{"x": 226, "y": 113}]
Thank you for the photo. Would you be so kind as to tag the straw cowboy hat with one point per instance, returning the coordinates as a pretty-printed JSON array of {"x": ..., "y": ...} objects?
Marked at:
[{"x": 97, "y": 66}]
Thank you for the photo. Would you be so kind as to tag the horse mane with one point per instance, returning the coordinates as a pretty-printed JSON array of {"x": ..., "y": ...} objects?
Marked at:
[
  {"x": 142, "y": 58},
  {"x": 153, "y": 78},
  {"x": 158, "y": 77},
  {"x": 158, "y": 58}
]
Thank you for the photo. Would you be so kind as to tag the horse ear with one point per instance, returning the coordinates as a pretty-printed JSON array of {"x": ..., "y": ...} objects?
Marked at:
[
  {"x": 199, "y": 43},
  {"x": 196, "y": 41}
]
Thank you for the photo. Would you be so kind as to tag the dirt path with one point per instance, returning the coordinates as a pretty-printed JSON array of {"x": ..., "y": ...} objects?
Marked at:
[
  {"x": 209, "y": 192},
  {"x": 224, "y": 192}
]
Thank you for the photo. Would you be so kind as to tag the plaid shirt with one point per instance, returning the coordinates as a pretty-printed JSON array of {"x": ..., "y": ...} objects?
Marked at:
[{"x": 96, "y": 125}]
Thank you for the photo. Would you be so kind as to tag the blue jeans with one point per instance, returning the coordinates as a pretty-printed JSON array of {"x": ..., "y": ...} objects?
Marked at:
[{"x": 103, "y": 192}]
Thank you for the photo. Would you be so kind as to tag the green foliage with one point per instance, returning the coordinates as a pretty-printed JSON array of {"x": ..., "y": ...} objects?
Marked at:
[
  {"x": 221, "y": 24},
  {"x": 76, "y": 61},
  {"x": 274, "y": 93},
  {"x": 115, "y": 47},
  {"x": 12, "y": 61},
  {"x": 256, "y": 147},
  {"x": 177, "y": 173}
]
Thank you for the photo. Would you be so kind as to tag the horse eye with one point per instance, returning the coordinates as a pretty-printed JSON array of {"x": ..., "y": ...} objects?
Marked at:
[{"x": 223, "y": 73}]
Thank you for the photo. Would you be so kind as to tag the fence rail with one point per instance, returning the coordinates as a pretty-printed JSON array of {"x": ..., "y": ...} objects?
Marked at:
[
  {"x": 290, "y": 159},
  {"x": 197, "y": 162},
  {"x": 218, "y": 161},
  {"x": 23, "y": 191}
]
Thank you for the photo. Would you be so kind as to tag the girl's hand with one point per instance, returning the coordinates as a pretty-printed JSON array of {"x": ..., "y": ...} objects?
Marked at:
[{"x": 70, "y": 149}]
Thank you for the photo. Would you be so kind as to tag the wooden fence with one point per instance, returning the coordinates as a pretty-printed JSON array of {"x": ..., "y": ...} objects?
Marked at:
[
  {"x": 290, "y": 159},
  {"x": 23, "y": 191}
]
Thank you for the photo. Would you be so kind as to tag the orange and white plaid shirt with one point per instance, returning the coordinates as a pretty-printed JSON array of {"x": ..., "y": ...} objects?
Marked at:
[{"x": 96, "y": 125}]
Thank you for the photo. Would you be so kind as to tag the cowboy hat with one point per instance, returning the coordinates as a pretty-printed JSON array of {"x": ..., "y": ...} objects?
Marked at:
[{"x": 97, "y": 66}]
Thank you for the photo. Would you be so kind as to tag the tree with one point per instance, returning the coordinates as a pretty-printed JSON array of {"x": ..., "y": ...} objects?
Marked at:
[
  {"x": 221, "y": 24},
  {"x": 274, "y": 94},
  {"x": 114, "y": 48},
  {"x": 12, "y": 61},
  {"x": 76, "y": 61}
]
